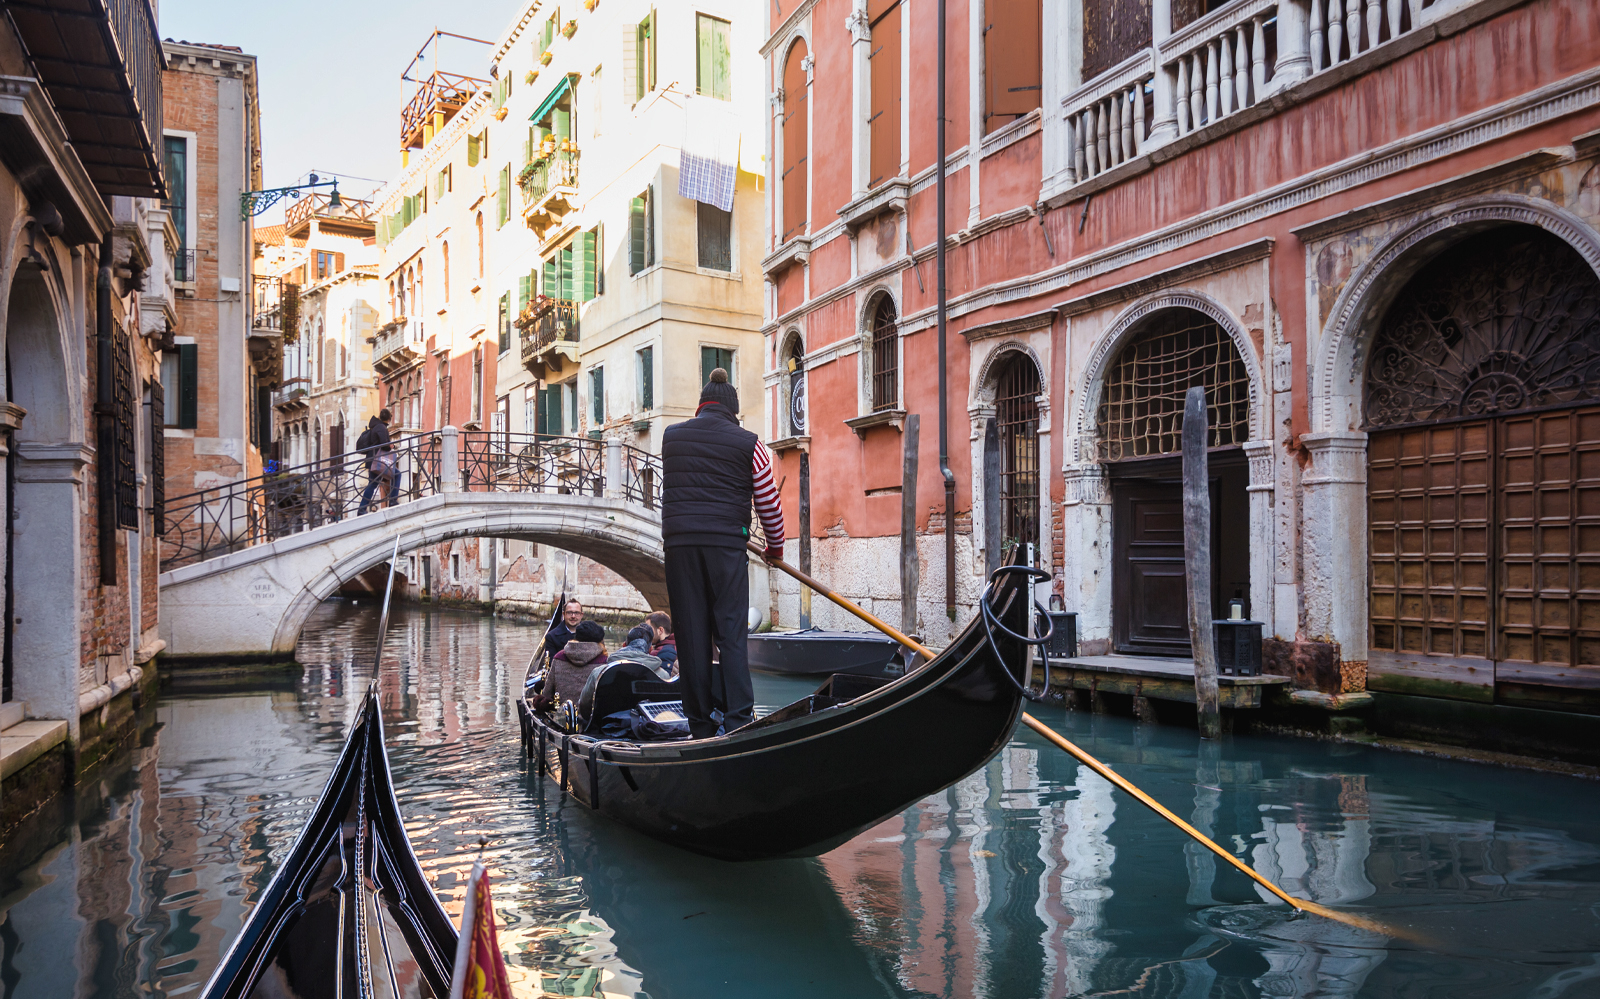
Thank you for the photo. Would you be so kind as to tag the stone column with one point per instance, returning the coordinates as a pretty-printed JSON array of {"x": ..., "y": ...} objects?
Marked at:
[
  {"x": 860, "y": 99},
  {"x": 1262, "y": 491},
  {"x": 1164, "y": 127},
  {"x": 1086, "y": 556},
  {"x": 1334, "y": 542},
  {"x": 47, "y": 645},
  {"x": 450, "y": 460},
  {"x": 615, "y": 488}
]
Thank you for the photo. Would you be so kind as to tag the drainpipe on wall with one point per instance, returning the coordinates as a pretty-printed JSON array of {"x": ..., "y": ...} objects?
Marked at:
[
  {"x": 105, "y": 420},
  {"x": 944, "y": 374}
]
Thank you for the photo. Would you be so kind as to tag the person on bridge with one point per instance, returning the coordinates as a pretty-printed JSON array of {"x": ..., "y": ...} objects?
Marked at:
[
  {"x": 374, "y": 446},
  {"x": 712, "y": 470}
]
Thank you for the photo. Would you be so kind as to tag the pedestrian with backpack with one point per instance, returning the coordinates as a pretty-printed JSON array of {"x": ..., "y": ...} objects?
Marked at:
[{"x": 381, "y": 461}]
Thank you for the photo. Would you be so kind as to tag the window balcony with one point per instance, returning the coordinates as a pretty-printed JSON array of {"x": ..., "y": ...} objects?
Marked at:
[
  {"x": 550, "y": 187},
  {"x": 549, "y": 332},
  {"x": 395, "y": 347},
  {"x": 100, "y": 63}
]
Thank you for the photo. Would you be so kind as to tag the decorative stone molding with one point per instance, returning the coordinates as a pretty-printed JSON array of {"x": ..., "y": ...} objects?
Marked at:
[
  {"x": 800, "y": 442},
  {"x": 776, "y": 99},
  {"x": 1336, "y": 459},
  {"x": 895, "y": 418},
  {"x": 11, "y": 415},
  {"x": 1086, "y": 484},
  {"x": 1335, "y": 374},
  {"x": 859, "y": 27},
  {"x": 62, "y": 463},
  {"x": 31, "y": 135},
  {"x": 1126, "y": 326},
  {"x": 982, "y": 401},
  {"x": 1183, "y": 273},
  {"x": 1260, "y": 455},
  {"x": 795, "y": 250},
  {"x": 890, "y": 196},
  {"x": 808, "y": 62},
  {"x": 1008, "y": 327}
]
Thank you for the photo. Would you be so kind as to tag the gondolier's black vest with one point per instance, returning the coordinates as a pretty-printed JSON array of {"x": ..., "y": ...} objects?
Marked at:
[{"x": 706, "y": 487}]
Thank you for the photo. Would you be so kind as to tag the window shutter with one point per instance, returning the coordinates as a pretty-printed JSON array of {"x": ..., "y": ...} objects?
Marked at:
[
  {"x": 158, "y": 457},
  {"x": 884, "y": 123},
  {"x": 564, "y": 262},
  {"x": 703, "y": 57},
  {"x": 505, "y": 194},
  {"x": 586, "y": 245},
  {"x": 551, "y": 285},
  {"x": 599, "y": 234},
  {"x": 597, "y": 395},
  {"x": 524, "y": 292},
  {"x": 188, "y": 385},
  {"x": 647, "y": 378},
  {"x": 561, "y": 124},
  {"x": 636, "y": 235},
  {"x": 721, "y": 60},
  {"x": 472, "y": 150},
  {"x": 505, "y": 322},
  {"x": 649, "y": 227},
  {"x": 650, "y": 52},
  {"x": 572, "y": 405},
  {"x": 1012, "y": 71},
  {"x": 796, "y": 116}
]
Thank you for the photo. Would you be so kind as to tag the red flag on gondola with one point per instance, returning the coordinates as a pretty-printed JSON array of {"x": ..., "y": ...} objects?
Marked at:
[{"x": 480, "y": 971}]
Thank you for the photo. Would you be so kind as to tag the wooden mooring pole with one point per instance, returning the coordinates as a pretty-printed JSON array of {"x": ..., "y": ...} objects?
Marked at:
[{"x": 1197, "y": 560}]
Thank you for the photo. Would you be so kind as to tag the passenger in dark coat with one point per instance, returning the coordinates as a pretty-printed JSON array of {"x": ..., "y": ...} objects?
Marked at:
[
  {"x": 570, "y": 668},
  {"x": 664, "y": 646},
  {"x": 566, "y": 630}
]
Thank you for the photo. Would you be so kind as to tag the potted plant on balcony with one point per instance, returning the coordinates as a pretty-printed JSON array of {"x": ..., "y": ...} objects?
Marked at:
[
  {"x": 590, "y": 5},
  {"x": 530, "y": 76},
  {"x": 544, "y": 60},
  {"x": 570, "y": 28}
]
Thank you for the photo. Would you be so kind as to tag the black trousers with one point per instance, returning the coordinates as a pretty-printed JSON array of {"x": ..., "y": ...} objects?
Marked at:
[{"x": 710, "y": 593}]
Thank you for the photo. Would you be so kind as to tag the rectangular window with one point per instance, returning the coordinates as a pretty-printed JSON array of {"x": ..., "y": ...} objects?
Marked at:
[
  {"x": 474, "y": 149},
  {"x": 883, "y": 122},
  {"x": 180, "y": 376},
  {"x": 597, "y": 397},
  {"x": 714, "y": 234},
  {"x": 549, "y": 411},
  {"x": 597, "y": 254},
  {"x": 558, "y": 274},
  {"x": 570, "y": 390},
  {"x": 328, "y": 264},
  {"x": 641, "y": 233},
  {"x": 647, "y": 379},
  {"x": 713, "y": 57},
  {"x": 176, "y": 148},
  {"x": 584, "y": 249},
  {"x": 530, "y": 410},
  {"x": 505, "y": 194},
  {"x": 455, "y": 567},
  {"x": 644, "y": 49},
  {"x": 477, "y": 386},
  {"x": 505, "y": 322},
  {"x": 524, "y": 293},
  {"x": 712, "y": 358},
  {"x": 552, "y": 26},
  {"x": 1012, "y": 72},
  {"x": 446, "y": 183},
  {"x": 594, "y": 101}
]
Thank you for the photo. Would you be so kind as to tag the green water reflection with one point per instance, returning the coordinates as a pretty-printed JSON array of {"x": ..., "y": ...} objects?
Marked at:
[{"x": 1030, "y": 878}]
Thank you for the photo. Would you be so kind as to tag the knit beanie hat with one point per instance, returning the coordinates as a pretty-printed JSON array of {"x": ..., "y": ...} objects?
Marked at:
[
  {"x": 718, "y": 390},
  {"x": 589, "y": 631}
]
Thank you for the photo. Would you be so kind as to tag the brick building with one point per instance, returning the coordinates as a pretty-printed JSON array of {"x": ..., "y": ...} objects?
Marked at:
[
  {"x": 86, "y": 289},
  {"x": 222, "y": 369},
  {"x": 1370, "y": 232}
]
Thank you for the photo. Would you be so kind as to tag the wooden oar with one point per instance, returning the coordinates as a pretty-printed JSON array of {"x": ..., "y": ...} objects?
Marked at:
[{"x": 1100, "y": 768}]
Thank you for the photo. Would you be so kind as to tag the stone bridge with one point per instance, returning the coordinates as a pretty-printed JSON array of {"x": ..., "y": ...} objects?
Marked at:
[{"x": 246, "y": 564}]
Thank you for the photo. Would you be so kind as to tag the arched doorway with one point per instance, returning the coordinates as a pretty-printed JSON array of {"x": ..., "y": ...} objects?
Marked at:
[
  {"x": 1140, "y": 427},
  {"x": 1482, "y": 406}
]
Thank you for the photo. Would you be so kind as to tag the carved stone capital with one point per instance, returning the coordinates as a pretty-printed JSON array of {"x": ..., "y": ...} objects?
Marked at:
[
  {"x": 856, "y": 23},
  {"x": 1260, "y": 454},
  {"x": 1336, "y": 458},
  {"x": 1087, "y": 484}
]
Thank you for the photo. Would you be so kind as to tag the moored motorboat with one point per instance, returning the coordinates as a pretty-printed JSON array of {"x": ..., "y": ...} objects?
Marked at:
[
  {"x": 814, "y": 652},
  {"x": 350, "y": 912},
  {"x": 809, "y": 776}
]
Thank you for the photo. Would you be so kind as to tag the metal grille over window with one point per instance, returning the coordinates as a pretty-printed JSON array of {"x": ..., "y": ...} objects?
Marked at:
[
  {"x": 1017, "y": 419},
  {"x": 122, "y": 398},
  {"x": 1489, "y": 327},
  {"x": 1141, "y": 411},
  {"x": 885, "y": 356}
]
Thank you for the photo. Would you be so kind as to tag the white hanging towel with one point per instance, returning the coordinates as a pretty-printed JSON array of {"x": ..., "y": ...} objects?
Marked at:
[{"x": 710, "y": 160}]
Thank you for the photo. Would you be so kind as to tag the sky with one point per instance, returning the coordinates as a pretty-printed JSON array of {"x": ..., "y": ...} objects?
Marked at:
[{"x": 330, "y": 85}]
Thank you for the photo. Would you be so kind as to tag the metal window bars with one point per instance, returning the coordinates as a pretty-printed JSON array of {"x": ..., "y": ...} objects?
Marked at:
[
  {"x": 885, "y": 357},
  {"x": 257, "y": 511},
  {"x": 1017, "y": 420},
  {"x": 1141, "y": 408}
]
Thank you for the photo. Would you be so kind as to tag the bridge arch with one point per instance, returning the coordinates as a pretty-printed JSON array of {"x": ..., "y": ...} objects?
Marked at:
[{"x": 252, "y": 604}]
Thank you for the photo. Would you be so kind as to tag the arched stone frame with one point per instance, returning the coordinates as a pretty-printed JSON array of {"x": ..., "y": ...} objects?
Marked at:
[
  {"x": 44, "y": 358},
  {"x": 784, "y": 427},
  {"x": 1086, "y": 513},
  {"x": 1334, "y": 486},
  {"x": 870, "y": 299},
  {"x": 980, "y": 413}
]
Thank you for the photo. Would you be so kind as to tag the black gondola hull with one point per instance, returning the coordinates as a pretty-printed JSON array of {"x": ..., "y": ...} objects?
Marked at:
[
  {"x": 797, "y": 784},
  {"x": 821, "y": 653}
]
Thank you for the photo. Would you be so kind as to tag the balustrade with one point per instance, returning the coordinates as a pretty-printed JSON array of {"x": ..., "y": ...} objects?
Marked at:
[
  {"x": 1107, "y": 121},
  {"x": 1219, "y": 65}
]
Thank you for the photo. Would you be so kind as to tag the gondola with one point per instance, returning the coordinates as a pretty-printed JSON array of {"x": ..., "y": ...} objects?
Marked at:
[
  {"x": 814, "y": 652},
  {"x": 350, "y": 913},
  {"x": 811, "y": 775}
]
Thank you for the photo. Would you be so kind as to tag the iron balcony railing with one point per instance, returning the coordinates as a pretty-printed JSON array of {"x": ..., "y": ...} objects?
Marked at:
[
  {"x": 540, "y": 177},
  {"x": 552, "y": 320},
  {"x": 257, "y": 511}
]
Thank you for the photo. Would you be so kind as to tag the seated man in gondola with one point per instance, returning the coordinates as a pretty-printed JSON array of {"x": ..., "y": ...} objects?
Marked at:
[
  {"x": 566, "y": 629},
  {"x": 570, "y": 668}
]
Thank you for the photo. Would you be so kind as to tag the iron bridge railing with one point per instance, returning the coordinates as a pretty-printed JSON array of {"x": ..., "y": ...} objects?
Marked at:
[{"x": 215, "y": 522}]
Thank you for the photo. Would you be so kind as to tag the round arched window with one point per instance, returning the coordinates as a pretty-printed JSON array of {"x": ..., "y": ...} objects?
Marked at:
[{"x": 1141, "y": 407}]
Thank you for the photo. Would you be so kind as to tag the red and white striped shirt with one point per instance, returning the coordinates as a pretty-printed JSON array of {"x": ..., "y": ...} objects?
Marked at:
[{"x": 768, "y": 506}]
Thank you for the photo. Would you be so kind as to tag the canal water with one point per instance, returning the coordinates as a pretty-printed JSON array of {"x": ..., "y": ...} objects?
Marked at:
[{"x": 1033, "y": 877}]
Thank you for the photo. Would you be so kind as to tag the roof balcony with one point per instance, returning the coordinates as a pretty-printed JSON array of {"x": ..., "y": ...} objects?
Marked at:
[
  {"x": 439, "y": 96},
  {"x": 350, "y": 217}
]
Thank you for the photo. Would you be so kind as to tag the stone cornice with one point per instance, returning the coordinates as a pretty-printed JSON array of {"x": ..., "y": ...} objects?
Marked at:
[
  {"x": 1246, "y": 253},
  {"x": 1006, "y": 327},
  {"x": 32, "y": 135}
]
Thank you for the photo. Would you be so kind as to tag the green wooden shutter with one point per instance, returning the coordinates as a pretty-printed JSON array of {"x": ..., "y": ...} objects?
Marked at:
[
  {"x": 524, "y": 292},
  {"x": 505, "y": 322},
  {"x": 188, "y": 386},
  {"x": 549, "y": 282},
  {"x": 721, "y": 60},
  {"x": 572, "y": 405},
  {"x": 599, "y": 234},
  {"x": 472, "y": 150},
  {"x": 505, "y": 194},
  {"x": 636, "y": 211},
  {"x": 647, "y": 378},
  {"x": 597, "y": 395},
  {"x": 703, "y": 56},
  {"x": 587, "y": 264}
]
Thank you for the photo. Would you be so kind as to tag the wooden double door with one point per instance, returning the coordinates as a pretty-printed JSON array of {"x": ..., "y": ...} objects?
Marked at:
[
  {"x": 1484, "y": 551},
  {"x": 1150, "y": 599}
]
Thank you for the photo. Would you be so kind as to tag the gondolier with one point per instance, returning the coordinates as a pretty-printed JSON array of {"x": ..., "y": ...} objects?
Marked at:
[{"x": 713, "y": 469}]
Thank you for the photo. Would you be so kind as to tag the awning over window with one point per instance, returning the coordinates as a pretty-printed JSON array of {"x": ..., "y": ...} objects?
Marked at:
[{"x": 560, "y": 90}]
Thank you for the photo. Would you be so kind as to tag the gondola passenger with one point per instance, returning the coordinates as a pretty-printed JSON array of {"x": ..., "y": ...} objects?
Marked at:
[
  {"x": 637, "y": 650},
  {"x": 566, "y": 629},
  {"x": 570, "y": 667},
  {"x": 663, "y": 646},
  {"x": 712, "y": 471}
]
